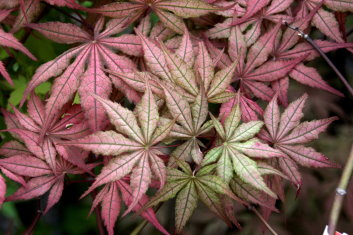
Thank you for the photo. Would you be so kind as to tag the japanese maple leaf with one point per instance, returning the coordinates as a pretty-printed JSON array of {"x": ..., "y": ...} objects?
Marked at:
[
  {"x": 287, "y": 135},
  {"x": 9, "y": 149},
  {"x": 20, "y": 161},
  {"x": 29, "y": 10},
  {"x": 8, "y": 40},
  {"x": 182, "y": 69},
  {"x": 250, "y": 110},
  {"x": 170, "y": 12},
  {"x": 255, "y": 71},
  {"x": 309, "y": 76},
  {"x": 254, "y": 15},
  {"x": 136, "y": 154},
  {"x": 97, "y": 51},
  {"x": 110, "y": 200},
  {"x": 237, "y": 147},
  {"x": 188, "y": 187},
  {"x": 67, "y": 125},
  {"x": 324, "y": 20},
  {"x": 191, "y": 124}
]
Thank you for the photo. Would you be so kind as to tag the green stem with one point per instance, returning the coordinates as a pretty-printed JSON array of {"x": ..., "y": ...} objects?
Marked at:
[{"x": 340, "y": 193}]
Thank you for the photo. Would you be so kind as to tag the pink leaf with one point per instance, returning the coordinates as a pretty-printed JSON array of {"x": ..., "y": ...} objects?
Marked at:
[
  {"x": 49, "y": 153},
  {"x": 8, "y": 40},
  {"x": 309, "y": 76},
  {"x": 31, "y": 141},
  {"x": 154, "y": 58},
  {"x": 111, "y": 208},
  {"x": 35, "y": 187},
  {"x": 148, "y": 214},
  {"x": 237, "y": 46},
  {"x": 185, "y": 50},
  {"x": 204, "y": 66},
  {"x": 158, "y": 168},
  {"x": 339, "y": 5},
  {"x": 121, "y": 9},
  {"x": 272, "y": 116},
  {"x": 25, "y": 121},
  {"x": 106, "y": 143},
  {"x": 4, "y": 13},
  {"x": 140, "y": 180},
  {"x": 260, "y": 51},
  {"x": 117, "y": 168},
  {"x": 307, "y": 156},
  {"x": 12, "y": 148},
  {"x": 64, "y": 87},
  {"x": 55, "y": 193},
  {"x": 273, "y": 70},
  {"x": 307, "y": 131},
  {"x": 326, "y": 22},
  {"x": 2, "y": 190},
  {"x": 14, "y": 177},
  {"x": 290, "y": 168},
  {"x": 5, "y": 74},
  {"x": 35, "y": 109},
  {"x": 280, "y": 86},
  {"x": 100, "y": 196},
  {"x": 277, "y": 6},
  {"x": 116, "y": 62},
  {"x": 305, "y": 48},
  {"x": 259, "y": 89},
  {"x": 25, "y": 165},
  {"x": 94, "y": 81},
  {"x": 127, "y": 43},
  {"x": 291, "y": 116},
  {"x": 61, "y": 32},
  {"x": 29, "y": 10},
  {"x": 50, "y": 69},
  {"x": 252, "y": 7}
]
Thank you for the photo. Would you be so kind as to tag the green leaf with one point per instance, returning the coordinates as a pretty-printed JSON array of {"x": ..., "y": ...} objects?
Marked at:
[{"x": 186, "y": 202}]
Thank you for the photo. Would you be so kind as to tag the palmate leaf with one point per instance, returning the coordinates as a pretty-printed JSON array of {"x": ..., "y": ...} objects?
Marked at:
[
  {"x": 136, "y": 154},
  {"x": 255, "y": 74},
  {"x": 71, "y": 125},
  {"x": 237, "y": 146},
  {"x": 9, "y": 40},
  {"x": 301, "y": 73},
  {"x": 287, "y": 134},
  {"x": 251, "y": 19},
  {"x": 192, "y": 122},
  {"x": 178, "y": 69},
  {"x": 188, "y": 187},
  {"x": 42, "y": 178},
  {"x": 170, "y": 12},
  {"x": 96, "y": 51}
]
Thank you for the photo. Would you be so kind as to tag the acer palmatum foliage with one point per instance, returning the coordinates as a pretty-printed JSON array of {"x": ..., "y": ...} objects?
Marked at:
[{"x": 194, "y": 70}]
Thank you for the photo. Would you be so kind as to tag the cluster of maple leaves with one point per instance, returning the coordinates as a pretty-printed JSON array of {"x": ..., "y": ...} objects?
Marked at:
[{"x": 195, "y": 78}]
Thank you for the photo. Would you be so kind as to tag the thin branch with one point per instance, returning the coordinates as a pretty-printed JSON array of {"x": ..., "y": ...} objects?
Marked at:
[
  {"x": 328, "y": 61},
  {"x": 263, "y": 221},
  {"x": 30, "y": 229},
  {"x": 340, "y": 193}
]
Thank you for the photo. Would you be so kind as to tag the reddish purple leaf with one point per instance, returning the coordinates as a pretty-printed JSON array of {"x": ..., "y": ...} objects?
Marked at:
[{"x": 35, "y": 187}]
